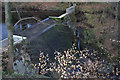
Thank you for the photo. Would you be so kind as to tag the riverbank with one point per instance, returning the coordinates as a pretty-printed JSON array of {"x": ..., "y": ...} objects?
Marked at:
[{"x": 95, "y": 52}]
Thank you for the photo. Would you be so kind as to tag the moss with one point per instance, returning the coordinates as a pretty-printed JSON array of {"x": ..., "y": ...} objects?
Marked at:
[
  {"x": 98, "y": 44},
  {"x": 91, "y": 39},
  {"x": 72, "y": 17},
  {"x": 115, "y": 45},
  {"x": 12, "y": 41},
  {"x": 4, "y": 73},
  {"x": 92, "y": 19},
  {"x": 115, "y": 59},
  {"x": 53, "y": 8},
  {"x": 39, "y": 4},
  {"x": 9, "y": 20},
  {"x": 61, "y": 6},
  {"x": 89, "y": 36},
  {"x": 26, "y": 41},
  {"x": 16, "y": 75},
  {"x": 57, "y": 19},
  {"x": 58, "y": 5}
]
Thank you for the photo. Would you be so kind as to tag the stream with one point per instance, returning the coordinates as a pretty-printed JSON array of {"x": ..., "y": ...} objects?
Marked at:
[
  {"x": 3, "y": 30},
  {"x": 78, "y": 36},
  {"x": 42, "y": 15}
]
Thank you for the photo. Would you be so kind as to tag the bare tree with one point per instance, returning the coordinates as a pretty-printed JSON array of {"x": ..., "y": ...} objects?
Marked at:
[{"x": 8, "y": 24}]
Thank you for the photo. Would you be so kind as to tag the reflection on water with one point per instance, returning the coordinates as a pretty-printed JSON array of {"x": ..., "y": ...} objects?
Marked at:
[
  {"x": 3, "y": 30},
  {"x": 21, "y": 27}
]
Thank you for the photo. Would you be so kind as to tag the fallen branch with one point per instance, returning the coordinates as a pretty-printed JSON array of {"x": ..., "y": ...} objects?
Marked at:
[
  {"x": 25, "y": 19},
  {"x": 28, "y": 19}
]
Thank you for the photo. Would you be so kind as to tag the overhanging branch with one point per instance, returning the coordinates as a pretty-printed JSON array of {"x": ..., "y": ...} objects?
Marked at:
[{"x": 25, "y": 19}]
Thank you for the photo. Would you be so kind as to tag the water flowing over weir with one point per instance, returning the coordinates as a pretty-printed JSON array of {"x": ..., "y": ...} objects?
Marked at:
[
  {"x": 38, "y": 28},
  {"x": 46, "y": 36},
  {"x": 44, "y": 25},
  {"x": 78, "y": 37}
]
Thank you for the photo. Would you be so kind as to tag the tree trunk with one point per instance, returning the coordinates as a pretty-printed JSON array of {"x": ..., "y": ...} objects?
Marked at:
[{"x": 10, "y": 35}]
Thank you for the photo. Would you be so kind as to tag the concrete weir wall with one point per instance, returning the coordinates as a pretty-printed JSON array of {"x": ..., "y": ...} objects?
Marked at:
[{"x": 17, "y": 40}]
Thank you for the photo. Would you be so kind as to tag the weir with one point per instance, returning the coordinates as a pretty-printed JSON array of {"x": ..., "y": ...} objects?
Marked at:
[
  {"x": 33, "y": 31},
  {"x": 44, "y": 25}
]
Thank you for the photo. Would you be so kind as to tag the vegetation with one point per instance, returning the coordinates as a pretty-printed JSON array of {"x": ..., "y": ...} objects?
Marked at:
[{"x": 98, "y": 54}]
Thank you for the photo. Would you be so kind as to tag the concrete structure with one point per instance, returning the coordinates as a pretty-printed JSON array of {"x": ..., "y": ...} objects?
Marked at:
[{"x": 17, "y": 39}]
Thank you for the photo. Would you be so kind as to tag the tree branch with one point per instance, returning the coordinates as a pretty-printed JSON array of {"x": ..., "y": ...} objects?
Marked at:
[
  {"x": 18, "y": 13},
  {"x": 25, "y": 19}
]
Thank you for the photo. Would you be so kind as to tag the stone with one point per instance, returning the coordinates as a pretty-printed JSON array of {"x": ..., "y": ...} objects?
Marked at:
[{"x": 18, "y": 66}]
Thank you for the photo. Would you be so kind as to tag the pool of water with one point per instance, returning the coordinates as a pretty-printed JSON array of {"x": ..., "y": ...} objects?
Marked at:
[{"x": 3, "y": 30}]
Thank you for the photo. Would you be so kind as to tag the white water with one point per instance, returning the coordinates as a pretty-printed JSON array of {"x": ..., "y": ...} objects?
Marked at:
[
  {"x": 48, "y": 28},
  {"x": 78, "y": 36}
]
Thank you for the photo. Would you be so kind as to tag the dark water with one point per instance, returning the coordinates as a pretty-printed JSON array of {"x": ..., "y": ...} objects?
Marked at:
[
  {"x": 3, "y": 30},
  {"x": 19, "y": 27},
  {"x": 42, "y": 15}
]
